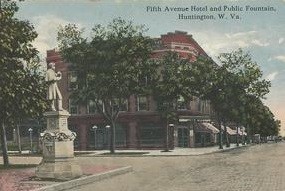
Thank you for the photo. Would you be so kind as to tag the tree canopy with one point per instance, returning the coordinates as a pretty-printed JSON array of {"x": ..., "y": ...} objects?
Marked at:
[
  {"x": 22, "y": 87},
  {"x": 229, "y": 85},
  {"x": 109, "y": 64}
]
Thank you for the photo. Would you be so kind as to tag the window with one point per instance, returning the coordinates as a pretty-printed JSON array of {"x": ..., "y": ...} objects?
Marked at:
[
  {"x": 72, "y": 80},
  {"x": 181, "y": 103},
  {"x": 142, "y": 103},
  {"x": 123, "y": 106},
  {"x": 152, "y": 135},
  {"x": 202, "y": 137},
  {"x": 143, "y": 81},
  {"x": 73, "y": 107},
  {"x": 92, "y": 108},
  {"x": 120, "y": 105},
  {"x": 121, "y": 135},
  {"x": 200, "y": 105}
]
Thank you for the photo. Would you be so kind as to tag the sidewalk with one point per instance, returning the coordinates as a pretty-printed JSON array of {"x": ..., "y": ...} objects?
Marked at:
[
  {"x": 142, "y": 152},
  {"x": 160, "y": 152}
]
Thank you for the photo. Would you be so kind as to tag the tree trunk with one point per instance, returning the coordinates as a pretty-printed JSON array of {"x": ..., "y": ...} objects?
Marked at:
[
  {"x": 243, "y": 135},
  {"x": 113, "y": 138},
  {"x": 4, "y": 144},
  {"x": 18, "y": 136},
  {"x": 220, "y": 135},
  {"x": 226, "y": 137},
  {"x": 237, "y": 136},
  {"x": 248, "y": 137}
]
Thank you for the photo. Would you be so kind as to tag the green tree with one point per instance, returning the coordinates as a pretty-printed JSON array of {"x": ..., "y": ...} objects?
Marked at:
[
  {"x": 245, "y": 80},
  {"x": 109, "y": 64},
  {"x": 205, "y": 79},
  {"x": 259, "y": 119},
  {"x": 22, "y": 86},
  {"x": 249, "y": 76},
  {"x": 227, "y": 85},
  {"x": 168, "y": 89}
]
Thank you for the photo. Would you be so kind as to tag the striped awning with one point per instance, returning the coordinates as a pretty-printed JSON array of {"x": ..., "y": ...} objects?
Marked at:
[
  {"x": 211, "y": 127},
  {"x": 241, "y": 131},
  {"x": 229, "y": 130}
]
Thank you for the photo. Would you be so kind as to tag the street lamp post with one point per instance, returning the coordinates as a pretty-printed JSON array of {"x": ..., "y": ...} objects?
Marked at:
[
  {"x": 94, "y": 129},
  {"x": 31, "y": 139}
]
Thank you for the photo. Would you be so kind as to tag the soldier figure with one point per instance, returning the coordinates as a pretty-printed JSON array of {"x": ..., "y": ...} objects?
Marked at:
[{"x": 53, "y": 92}]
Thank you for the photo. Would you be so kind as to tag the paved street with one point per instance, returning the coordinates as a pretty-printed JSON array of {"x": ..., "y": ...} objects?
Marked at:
[{"x": 255, "y": 168}]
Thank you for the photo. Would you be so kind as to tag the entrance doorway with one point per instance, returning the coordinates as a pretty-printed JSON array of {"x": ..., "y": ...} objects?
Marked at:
[{"x": 183, "y": 137}]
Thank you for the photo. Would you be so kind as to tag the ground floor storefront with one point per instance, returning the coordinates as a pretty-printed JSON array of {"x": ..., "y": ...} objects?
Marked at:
[
  {"x": 135, "y": 131},
  {"x": 145, "y": 131}
]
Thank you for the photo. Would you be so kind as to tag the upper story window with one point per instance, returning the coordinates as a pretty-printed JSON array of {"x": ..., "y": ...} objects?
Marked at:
[
  {"x": 142, "y": 103},
  {"x": 72, "y": 80},
  {"x": 181, "y": 103},
  {"x": 73, "y": 107},
  {"x": 200, "y": 105},
  {"x": 143, "y": 80},
  {"x": 124, "y": 105},
  {"x": 121, "y": 105},
  {"x": 92, "y": 107}
]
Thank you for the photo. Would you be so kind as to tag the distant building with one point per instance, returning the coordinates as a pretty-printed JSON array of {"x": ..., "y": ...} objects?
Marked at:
[{"x": 139, "y": 125}]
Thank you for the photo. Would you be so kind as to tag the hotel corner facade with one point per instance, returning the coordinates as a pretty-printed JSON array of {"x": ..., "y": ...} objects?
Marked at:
[{"x": 139, "y": 125}]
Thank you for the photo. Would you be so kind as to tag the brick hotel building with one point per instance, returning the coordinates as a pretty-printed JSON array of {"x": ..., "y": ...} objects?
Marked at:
[{"x": 139, "y": 124}]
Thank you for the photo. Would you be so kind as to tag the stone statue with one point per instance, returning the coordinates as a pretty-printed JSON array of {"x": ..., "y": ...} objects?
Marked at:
[
  {"x": 58, "y": 161},
  {"x": 53, "y": 92}
]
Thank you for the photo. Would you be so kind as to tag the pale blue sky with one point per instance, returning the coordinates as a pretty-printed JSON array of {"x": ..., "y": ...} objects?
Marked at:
[{"x": 261, "y": 33}]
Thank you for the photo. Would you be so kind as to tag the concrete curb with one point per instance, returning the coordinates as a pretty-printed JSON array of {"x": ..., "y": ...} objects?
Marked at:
[
  {"x": 172, "y": 155},
  {"x": 227, "y": 149},
  {"x": 85, "y": 180},
  {"x": 199, "y": 154}
]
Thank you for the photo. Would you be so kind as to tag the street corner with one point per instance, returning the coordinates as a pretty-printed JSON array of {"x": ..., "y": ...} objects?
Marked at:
[
  {"x": 91, "y": 174},
  {"x": 25, "y": 179}
]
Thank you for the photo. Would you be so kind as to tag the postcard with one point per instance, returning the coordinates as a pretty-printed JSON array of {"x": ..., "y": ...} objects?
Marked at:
[{"x": 186, "y": 152}]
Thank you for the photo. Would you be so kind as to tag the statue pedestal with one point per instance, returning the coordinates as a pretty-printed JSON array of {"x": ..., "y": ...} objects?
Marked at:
[{"x": 58, "y": 152}]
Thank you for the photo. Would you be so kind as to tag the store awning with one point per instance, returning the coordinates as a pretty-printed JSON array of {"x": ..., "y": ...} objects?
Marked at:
[
  {"x": 241, "y": 131},
  {"x": 211, "y": 127},
  {"x": 229, "y": 130}
]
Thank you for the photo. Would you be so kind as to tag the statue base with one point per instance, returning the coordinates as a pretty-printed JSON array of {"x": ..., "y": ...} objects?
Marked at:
[
  {"x": 58, "y": 152},
  {"x": 61, "y": 169}
]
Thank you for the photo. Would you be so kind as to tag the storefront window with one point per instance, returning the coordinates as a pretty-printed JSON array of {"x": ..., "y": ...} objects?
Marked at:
[
  {"x": 99, "y": 137},
  {"x": 121, "y": 135},
  {"x": 151, "y": 135}
]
